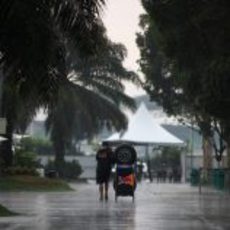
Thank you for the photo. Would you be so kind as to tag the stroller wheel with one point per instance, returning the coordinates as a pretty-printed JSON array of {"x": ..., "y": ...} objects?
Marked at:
[{"x": 125, "y": 154}]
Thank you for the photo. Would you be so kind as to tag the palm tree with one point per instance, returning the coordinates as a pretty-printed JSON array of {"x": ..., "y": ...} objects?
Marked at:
[
  {"x": 33, "y": 38},
  {"x": 93, "y": 93},
  {"x": 37, "y": 62}
]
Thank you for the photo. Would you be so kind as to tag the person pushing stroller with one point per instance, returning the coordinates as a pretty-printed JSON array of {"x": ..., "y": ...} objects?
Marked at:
[{"x": 104, "y": 158}]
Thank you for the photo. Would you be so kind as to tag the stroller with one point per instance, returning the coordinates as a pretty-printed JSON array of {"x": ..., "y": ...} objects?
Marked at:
[{"x": 125, "y": 179}]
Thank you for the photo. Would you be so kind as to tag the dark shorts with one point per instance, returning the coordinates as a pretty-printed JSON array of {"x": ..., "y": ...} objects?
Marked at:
[{"x": 102, "y": 176}]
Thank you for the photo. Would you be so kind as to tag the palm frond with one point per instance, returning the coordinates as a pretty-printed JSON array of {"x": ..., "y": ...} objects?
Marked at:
[{"x": 99, "y": 107}]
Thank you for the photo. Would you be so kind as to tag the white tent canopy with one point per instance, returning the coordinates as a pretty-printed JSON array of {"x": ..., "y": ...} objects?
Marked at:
[
  {"x": 143, "y": 130},
  {"x": 3, "y": 139},
  {"x": 114, "y": 137}
]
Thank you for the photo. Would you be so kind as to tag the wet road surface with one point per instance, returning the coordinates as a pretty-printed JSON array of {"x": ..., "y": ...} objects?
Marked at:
[{"x": 157, "y": 207}]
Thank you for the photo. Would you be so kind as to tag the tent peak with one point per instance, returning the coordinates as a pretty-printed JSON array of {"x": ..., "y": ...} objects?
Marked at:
[{"x": 143, "y": 129}]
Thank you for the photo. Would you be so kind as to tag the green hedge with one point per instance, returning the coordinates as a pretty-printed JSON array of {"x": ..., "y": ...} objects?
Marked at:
[
  {"x": 66, "y": 170},
  {"x": 18, "y": 170}
]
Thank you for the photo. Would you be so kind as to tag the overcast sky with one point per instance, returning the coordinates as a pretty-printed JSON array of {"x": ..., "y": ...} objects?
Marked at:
[{"x": 121, "y": 18}]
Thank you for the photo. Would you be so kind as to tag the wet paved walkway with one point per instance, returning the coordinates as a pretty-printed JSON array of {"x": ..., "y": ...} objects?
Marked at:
[{"x": 157, "y": 207}]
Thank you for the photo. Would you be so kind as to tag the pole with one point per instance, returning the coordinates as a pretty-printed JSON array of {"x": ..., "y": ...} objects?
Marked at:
[
  {"x": 200, "y": 171},
  {"x": 148, "y": 163},
  {"x": 183, "y": 165},
  {"x": 192, "y": 145}
]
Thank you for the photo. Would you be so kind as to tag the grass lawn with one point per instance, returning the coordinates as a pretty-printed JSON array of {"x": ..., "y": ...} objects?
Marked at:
[
  {"x": 32, "y": 183},
  {"x": 5, "y": 212}
]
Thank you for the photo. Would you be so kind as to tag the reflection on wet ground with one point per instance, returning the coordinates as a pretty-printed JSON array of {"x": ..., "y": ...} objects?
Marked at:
[{"x": 157, "y": 207}]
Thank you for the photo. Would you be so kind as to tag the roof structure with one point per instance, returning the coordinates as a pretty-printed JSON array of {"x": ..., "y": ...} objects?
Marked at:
[{"x": 143, "y": 130}]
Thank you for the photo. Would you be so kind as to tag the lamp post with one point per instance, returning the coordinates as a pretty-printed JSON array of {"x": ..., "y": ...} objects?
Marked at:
[
  {"x": 192, "y": 145},
  {"x": 148, "y": 162}
]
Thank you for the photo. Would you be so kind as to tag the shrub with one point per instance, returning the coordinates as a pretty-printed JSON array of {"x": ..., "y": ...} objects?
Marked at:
[
  {"x": 39, "y": 146},
  {"x": 67, "y": 170},
  {"x": 12, "y": 171},
  {"x": 25, "y": 159}
]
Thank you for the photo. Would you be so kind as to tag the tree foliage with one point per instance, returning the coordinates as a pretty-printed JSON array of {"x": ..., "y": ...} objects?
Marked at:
[
  {"x": 93, "y": 94},
  {"x": 36, "y": 145},
  {"x": 41, "y": 43},
  {"x": 185, "y": 57}
]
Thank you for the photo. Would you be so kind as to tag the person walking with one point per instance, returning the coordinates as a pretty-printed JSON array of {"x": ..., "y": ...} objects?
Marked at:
[{"x": 104, "y": 159}]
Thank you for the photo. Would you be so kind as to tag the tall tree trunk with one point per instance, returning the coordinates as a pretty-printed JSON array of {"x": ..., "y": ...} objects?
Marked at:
[
  {"x": 6, "y": 146},
  {"x": 207, "y": 155},
  {"x": 228, "y": 152},
  {"x": 8, "y": 110},
  {"x": 59, "y": 148},
  {"x": 226, "y": 125}
]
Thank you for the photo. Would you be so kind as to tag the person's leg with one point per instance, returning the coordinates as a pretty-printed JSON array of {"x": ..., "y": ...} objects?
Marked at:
[
  {"x": 101, "y": 191},
  {"x": 106, "y": 190}
]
